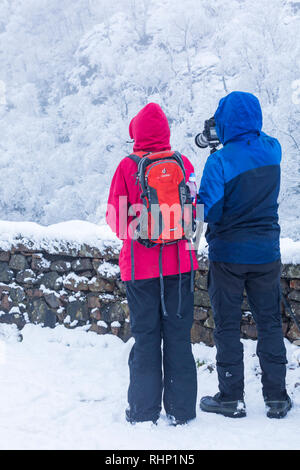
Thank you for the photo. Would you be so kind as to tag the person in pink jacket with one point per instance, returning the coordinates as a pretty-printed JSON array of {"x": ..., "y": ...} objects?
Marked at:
[{"x": 178, "y": 383}]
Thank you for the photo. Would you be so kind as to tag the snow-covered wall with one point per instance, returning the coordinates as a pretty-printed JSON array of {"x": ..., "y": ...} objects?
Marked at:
[{"x": 68, "y": 274}]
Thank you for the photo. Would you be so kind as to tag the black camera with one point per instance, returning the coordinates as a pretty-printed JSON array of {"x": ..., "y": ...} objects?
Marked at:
[{"x": 209, "y": 137}]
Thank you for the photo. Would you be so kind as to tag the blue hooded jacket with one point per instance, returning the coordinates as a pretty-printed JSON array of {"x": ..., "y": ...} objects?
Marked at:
[{"x": 240, "y": 186}]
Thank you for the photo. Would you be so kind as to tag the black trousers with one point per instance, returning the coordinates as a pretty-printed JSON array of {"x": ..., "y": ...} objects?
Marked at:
[
  {"x": 157, "y": 372},
  {"x": 226, "y": 283}
]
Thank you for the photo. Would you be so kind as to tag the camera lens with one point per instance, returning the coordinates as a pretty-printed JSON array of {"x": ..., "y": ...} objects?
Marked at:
[{"x": 201, "y": 141}]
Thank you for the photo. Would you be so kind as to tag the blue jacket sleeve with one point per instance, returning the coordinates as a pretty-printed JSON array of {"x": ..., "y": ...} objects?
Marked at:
[{"x": 211, "y": 192}]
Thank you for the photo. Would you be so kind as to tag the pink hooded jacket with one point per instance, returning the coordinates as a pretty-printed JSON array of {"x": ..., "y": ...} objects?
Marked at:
[{"x": 150, "y": 131}]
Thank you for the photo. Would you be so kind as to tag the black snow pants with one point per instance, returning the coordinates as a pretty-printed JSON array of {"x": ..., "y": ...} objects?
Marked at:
[
  {"x": 226, "y": 283},
  {"x": 156, "y": 371}
]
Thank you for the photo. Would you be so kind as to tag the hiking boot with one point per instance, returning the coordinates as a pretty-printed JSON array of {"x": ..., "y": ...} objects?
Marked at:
[
  {"x": 278, "y": 408},
  {"x": 230, "y": 409}
]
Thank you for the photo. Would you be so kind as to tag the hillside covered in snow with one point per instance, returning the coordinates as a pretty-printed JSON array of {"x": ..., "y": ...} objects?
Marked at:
[{"x": 73, "y": 74}]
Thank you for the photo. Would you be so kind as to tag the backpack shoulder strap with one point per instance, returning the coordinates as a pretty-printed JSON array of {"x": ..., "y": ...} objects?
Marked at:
[
  {"x": 178, "y": 154},
  {"x": 135, "y": 158},
  {"x": 179, "y": 159}
]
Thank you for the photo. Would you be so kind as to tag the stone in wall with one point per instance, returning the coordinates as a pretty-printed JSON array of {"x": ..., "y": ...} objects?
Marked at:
[
  {"x": 249, "y": 330},
  {"x": 18, "y": 262},
  {"x": 40, "y": 312},
  {"x": 201, "y": 313},
  {"x": 200, "y": 334},
  {"x": 294, "y": 295},
  {"x": 60, "y": 266},
  {"x": 26, "y": 278},
  {"x": 125, "y": 332},
  {"x": 6, "y": 274},
  {"x": 78, "y": 310},
  {"x": 39, "y": 263},
  {"x": 201, "y": 280},
  {"x": 100, "y": 285},
  {"x": 291, "y": 271},
  {"x": 4, "y": 256},
  {"x": 201, "y": 298},
  {"x": 295, "y": 284}
]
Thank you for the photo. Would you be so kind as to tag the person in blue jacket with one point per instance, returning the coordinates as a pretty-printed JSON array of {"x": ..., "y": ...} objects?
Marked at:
[{"x": 239, "y": 190}]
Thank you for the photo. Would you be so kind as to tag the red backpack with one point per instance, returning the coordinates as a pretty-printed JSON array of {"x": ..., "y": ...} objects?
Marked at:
[{"x": 167, "y": 215}]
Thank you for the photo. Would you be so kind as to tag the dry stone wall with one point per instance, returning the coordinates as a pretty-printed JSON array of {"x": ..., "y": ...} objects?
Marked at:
[{"x": 82, "y": 286}]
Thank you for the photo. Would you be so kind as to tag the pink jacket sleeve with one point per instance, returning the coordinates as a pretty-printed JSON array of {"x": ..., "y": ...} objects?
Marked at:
[{"x": 117, "y": 205}]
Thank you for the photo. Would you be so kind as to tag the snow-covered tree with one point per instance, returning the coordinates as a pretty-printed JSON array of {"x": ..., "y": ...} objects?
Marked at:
[{"x": 75, "y": 73}]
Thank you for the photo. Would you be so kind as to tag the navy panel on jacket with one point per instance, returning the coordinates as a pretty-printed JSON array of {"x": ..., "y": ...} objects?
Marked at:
[{"x": 240, "y": 187}]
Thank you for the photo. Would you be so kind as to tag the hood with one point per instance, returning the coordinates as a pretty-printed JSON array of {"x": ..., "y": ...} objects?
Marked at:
[
  {"x": 238, "y": 113},
  {"x": 150, "y": 129}
]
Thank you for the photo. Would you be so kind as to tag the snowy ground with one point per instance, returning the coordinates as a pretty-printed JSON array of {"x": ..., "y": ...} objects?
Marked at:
[{"x": 66, "y": 389}]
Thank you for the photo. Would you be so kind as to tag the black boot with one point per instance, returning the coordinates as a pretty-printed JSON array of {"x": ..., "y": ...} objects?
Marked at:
[
  {"x": 230, "y": 409},
  {"x": 278, "y": 408}
]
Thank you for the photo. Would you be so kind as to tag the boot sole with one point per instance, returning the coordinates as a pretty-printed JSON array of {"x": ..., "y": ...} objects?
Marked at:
[{"x": 226, "y": 413}]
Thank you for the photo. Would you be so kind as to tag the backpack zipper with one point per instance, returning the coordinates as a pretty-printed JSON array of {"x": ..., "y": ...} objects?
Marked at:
[{"x": 158, "y": 163}]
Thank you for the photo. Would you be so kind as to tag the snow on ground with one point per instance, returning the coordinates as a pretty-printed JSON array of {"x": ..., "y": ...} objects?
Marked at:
[
  {"x": 66, "y": 389},
  {"x": 77, "y": 232}
]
